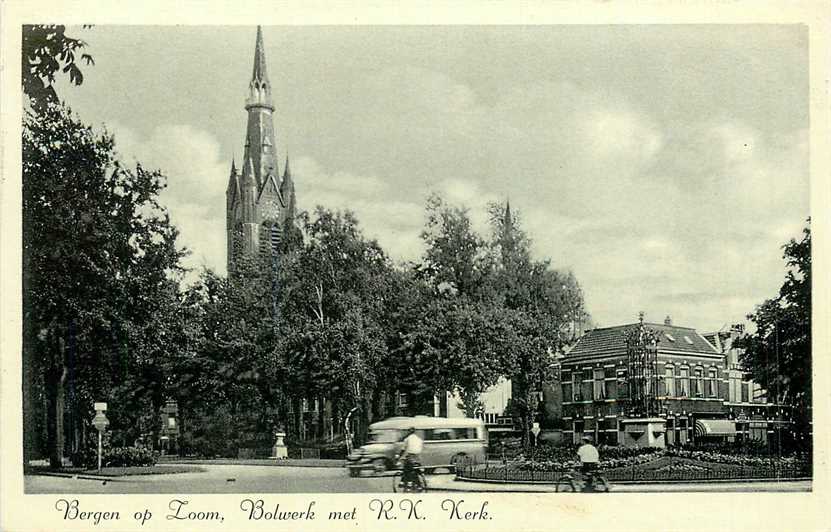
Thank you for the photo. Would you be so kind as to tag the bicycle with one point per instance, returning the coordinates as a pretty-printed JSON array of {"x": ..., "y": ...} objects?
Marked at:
[
  {"x": 593, "y": 483},
  {"x": 418, "y": 484}
]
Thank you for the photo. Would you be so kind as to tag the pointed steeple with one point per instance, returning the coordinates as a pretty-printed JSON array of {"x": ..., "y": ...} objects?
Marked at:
[
  {"x": 233, "y": 181},
  {"x": 287, "y": 192},
  {"x": 259, "y": 90},
  {"x": 509, "y": 222},
  {"x": 260, "y": 70}
]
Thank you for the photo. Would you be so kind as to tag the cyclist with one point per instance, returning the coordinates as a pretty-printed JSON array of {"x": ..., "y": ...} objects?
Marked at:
[
  {"x": 589, "y": 458},
  {"x": 413, "y": 445}
]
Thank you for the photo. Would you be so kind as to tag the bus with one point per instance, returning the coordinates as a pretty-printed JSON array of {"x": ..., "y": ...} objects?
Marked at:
[{"x": 447, "y": 442}]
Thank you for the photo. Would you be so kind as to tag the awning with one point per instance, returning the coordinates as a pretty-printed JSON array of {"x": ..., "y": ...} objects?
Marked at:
[{"x": 715, "y": 427}]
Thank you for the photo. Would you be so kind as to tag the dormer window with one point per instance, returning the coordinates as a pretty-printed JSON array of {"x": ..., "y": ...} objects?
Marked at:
[
  {"x": 669, "y": 337},
  {"x": 687, "y": 339}
]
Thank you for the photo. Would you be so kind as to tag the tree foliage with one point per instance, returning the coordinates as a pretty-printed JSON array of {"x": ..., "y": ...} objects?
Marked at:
[
  {"x": 778, "y": 353},
  {"x": 98, "y": 253},
  {"x": 47, "y": 50}
]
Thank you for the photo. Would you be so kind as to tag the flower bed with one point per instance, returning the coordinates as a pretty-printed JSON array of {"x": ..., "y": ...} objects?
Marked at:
[{"x": 621, "y": 464}]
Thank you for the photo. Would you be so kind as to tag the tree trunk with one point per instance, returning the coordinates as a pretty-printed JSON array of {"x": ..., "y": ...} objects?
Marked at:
[{"x": 55, "y": 382}]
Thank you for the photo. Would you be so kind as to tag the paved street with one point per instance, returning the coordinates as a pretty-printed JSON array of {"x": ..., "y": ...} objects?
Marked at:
[
  {"x": 268, "y": 479},
  {"x": 215, "y": 479}
]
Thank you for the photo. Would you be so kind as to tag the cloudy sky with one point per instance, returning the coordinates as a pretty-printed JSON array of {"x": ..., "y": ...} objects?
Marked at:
[{"x": 664, "y": 165}]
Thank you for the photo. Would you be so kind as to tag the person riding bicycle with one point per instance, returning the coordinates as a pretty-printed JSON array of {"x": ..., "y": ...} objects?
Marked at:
[
  {"x": 589, "y": 458},
  {"x": 413, "y": 445}
]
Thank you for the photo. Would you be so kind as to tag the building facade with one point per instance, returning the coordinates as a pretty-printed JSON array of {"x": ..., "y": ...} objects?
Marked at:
[
  {"x": 260, "y": 204},
  {"x": 695, "y": 396}
]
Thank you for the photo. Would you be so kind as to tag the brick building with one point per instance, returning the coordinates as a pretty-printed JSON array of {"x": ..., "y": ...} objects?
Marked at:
[{"x": 698, "y": 392}]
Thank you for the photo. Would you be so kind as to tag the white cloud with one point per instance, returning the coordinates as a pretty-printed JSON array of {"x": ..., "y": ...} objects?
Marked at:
[{"x": 197, "y": 175}]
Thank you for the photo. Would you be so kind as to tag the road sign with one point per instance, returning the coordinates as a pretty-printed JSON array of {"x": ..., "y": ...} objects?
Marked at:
[
  {"x": 536, "y": 429},
  {"x": 100, "y": 421}
]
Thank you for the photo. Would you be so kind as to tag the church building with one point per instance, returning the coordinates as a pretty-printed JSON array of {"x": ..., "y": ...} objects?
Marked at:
[{"x": 260, "y": 204}]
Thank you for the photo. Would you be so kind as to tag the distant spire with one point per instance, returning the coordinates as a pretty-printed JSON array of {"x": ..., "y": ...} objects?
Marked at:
[
  {"x": 260, "y": 71},
  {"x": 287, "y": 171},
  {"x": 509, "y": 222},
  {"x": 234, "y": 165}
]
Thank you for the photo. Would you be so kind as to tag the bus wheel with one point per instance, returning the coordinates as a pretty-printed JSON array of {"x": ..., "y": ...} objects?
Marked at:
[{"x": 379, "y": 465}]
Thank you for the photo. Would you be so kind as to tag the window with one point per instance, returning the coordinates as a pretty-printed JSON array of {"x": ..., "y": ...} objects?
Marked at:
[
  {"x": 587, "y": 385},
  {"x": 669, "y": 337},
  {"x": 713, "y": 392},
  {"x": 579, "y": 427},
  {"x": 745, "y": 392},
  {"x": 669, "y": 380},
  {"x": 171, "y": 422},
  {"x": 599, "y": 385},
  {"x": 576, "y": 386},
  {"x": 440, "y": 434},
  {"x": 568, "y": 394},
  {"x": 684, "y": 381},
  {"x": 610, "y": 386},
  {"x": 734, "y": 390},
  {"x": 687, "y": 339},
  {"x": 699, "y": 382},
  {"x": 623, "y": 385},
  {"x": 402, "y": 400},
  {"x": 274, "y": 238}
]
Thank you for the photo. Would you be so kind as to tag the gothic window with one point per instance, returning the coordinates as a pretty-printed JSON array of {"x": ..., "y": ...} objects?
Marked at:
[{"x": 274, "y": 237}]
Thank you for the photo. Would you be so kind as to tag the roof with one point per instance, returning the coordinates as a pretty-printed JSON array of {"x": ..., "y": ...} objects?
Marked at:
[{"x": 611, "y": 340}]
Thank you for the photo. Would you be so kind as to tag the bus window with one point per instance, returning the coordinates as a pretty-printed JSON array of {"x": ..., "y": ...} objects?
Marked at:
[{"x": 444, "y": 434}]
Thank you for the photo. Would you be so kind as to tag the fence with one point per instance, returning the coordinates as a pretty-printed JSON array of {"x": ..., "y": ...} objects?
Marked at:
[{"x": 672, "y": 470}]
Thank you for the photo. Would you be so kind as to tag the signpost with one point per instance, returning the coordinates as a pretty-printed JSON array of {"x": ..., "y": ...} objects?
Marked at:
[{"x": 100, "y": 422}]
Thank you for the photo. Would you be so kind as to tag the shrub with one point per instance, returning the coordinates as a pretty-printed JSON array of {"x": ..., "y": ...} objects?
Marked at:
[
  {"x": 334, "y": 450},
  {"x": 114, "y": 457}
]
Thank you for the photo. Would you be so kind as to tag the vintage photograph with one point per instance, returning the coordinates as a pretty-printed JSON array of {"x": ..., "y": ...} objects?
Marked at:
[{"x": 453, "y": 258}]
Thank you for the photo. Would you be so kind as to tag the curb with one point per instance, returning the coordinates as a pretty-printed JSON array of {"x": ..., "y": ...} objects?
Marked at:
[
  {"x": 322, "y": 463},
  {"x": 636, "y": 482},
  {"x": 77, "y": 476}
]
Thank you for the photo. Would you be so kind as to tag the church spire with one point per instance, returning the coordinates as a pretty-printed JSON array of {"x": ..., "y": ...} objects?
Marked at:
[
  {"x": 260, "y": 70},
  {"x": 287, "y": 192},
  {"x": 259, "y": 89}
]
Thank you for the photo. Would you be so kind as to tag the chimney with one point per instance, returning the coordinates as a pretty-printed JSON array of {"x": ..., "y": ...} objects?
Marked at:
[{"x": 667, "y": 321}]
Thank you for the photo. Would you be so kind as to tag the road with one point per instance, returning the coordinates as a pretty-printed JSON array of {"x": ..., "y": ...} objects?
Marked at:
[
  {"x": 269, "y": 479},
  {"x": 222, "y": 479}
]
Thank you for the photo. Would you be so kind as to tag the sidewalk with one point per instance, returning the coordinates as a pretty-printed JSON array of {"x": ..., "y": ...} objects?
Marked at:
[
  {"x": 287, "y": 462},
  {"x": 448, "y": 483}
]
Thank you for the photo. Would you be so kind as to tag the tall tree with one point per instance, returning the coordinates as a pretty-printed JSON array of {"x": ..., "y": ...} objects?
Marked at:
[
  {"x": 97, "y": 250},
  {"x": 455, "y": 254},
  {"x": 778, "y": 353},
  {"x": 541, "y": 308},
  {"x": 337, "y": 293}
]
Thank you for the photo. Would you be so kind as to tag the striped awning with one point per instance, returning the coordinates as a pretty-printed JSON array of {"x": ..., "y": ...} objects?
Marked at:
[{"x": 715, "y": 427}]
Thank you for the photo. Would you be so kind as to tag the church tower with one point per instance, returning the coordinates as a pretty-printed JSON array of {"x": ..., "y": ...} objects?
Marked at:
[{"x": 259, "y": 204}]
